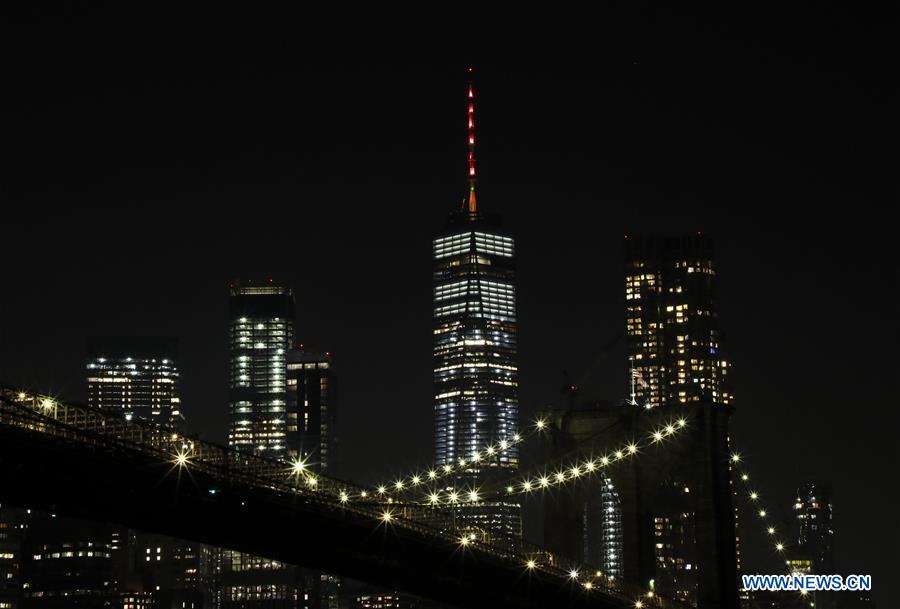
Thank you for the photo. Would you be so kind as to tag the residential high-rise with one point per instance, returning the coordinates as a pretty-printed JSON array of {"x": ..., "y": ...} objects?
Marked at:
[
  {"x": 673, "y": 340},
  {"x": 815, "y": 535},
  {"x": 475, "y": 348},
  {"x": 675, "y": 355},
  {"x": 261, "y": 330},
  {"x": 311, "y": 412},
  {"x": 135, "y": 375},
  {"x": 814, "y": 552}
]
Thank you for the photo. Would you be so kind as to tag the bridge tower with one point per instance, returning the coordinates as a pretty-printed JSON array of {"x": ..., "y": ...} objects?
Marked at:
[{"x": 688, "y": 476}]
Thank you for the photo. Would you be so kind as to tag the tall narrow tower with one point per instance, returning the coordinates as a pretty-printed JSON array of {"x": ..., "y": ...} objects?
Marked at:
[
  {"x": 261, "y": 330},
  {"x": 476, "y": 399}
]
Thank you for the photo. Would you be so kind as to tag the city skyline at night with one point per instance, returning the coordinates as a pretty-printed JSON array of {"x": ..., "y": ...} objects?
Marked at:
[{"x": 291, "y": 155}]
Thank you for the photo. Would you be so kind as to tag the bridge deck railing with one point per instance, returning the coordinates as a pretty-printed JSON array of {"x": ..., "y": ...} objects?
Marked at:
[{"x": 88, "y": 425}]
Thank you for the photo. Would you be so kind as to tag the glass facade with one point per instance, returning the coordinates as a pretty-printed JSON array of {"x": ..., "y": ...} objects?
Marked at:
[
  {"x": 475, "y": 357},
  {"x": 261, "y": 331},
  {"x": 673, "y": 339},
  {"x": 137, "y": 375}
]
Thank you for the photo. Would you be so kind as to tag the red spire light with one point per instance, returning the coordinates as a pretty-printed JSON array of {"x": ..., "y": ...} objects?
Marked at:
[{"x": 473, "y": 208}]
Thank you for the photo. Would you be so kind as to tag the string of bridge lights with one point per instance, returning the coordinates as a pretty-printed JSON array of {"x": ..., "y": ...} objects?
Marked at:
[
  {"x": 586, "y": 579},
  {"x": 545, "y": 481},
  {"x": 737, "y": 463},
  {"x": 755, "y": 499},
  {"x": 488, "y": 452}
]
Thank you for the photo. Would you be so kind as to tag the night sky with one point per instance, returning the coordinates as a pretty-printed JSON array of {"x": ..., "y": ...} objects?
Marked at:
[{"x": 153, "y": 157}]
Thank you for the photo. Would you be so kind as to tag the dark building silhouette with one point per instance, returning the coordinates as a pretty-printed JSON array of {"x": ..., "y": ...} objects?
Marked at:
[
  {"x": 13, "y": 523},
  {"x": 815, "y": 528},
  {"x": 312, "y": 409},
  {"x": 475, "y": 337}
]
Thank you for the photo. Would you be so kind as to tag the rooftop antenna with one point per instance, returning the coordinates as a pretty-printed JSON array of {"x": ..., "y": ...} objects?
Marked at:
[{"x": 473, "y": 207}]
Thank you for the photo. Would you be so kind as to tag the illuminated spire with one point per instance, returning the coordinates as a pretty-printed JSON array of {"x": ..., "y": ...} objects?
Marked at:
[{"x": 471, "y": 139}]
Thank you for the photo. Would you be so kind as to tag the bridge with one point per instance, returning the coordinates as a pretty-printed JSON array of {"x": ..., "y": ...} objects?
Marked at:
[{"x": 79, "y": 461}]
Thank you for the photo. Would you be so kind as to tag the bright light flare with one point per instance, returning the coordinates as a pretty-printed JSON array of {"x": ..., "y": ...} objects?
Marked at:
[
  {"x": 531, "y": 564},
  {"x": 298, "y": 466}
]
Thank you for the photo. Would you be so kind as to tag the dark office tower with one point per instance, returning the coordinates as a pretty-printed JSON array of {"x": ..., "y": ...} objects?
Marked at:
[
  {"x": 261, "y": 332},
  {"x": 12, "y": 536},
  {"x": 71, "y": 563},
  {"x": 312, "y": 437},
  {"x": 674, "y": 344},
  {"x": 312, "y": 413},
  {"x": 475, "y": 369},
  {"x": 137, "y": 376},
  {"x": 176, "y": 573}
]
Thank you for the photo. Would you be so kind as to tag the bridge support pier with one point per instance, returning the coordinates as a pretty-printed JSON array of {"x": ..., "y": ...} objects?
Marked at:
[{"x": 679, "y": 490}]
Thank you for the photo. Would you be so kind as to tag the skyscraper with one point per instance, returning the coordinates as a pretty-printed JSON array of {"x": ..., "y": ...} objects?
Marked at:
[
  {"x": 137, "y": 376},
  {"x": 312, "y": 412},
  {"x": 815, "y": 534},
  {"x": 261, "y": 331},
  {"x": 675, "y": 355},
  {"x": 475, "y": 346},
  {"x": 673, "y": 339}
]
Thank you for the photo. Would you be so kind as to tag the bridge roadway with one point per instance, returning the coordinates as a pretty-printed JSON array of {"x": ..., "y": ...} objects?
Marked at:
[{"x": 83, "y": 467}]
